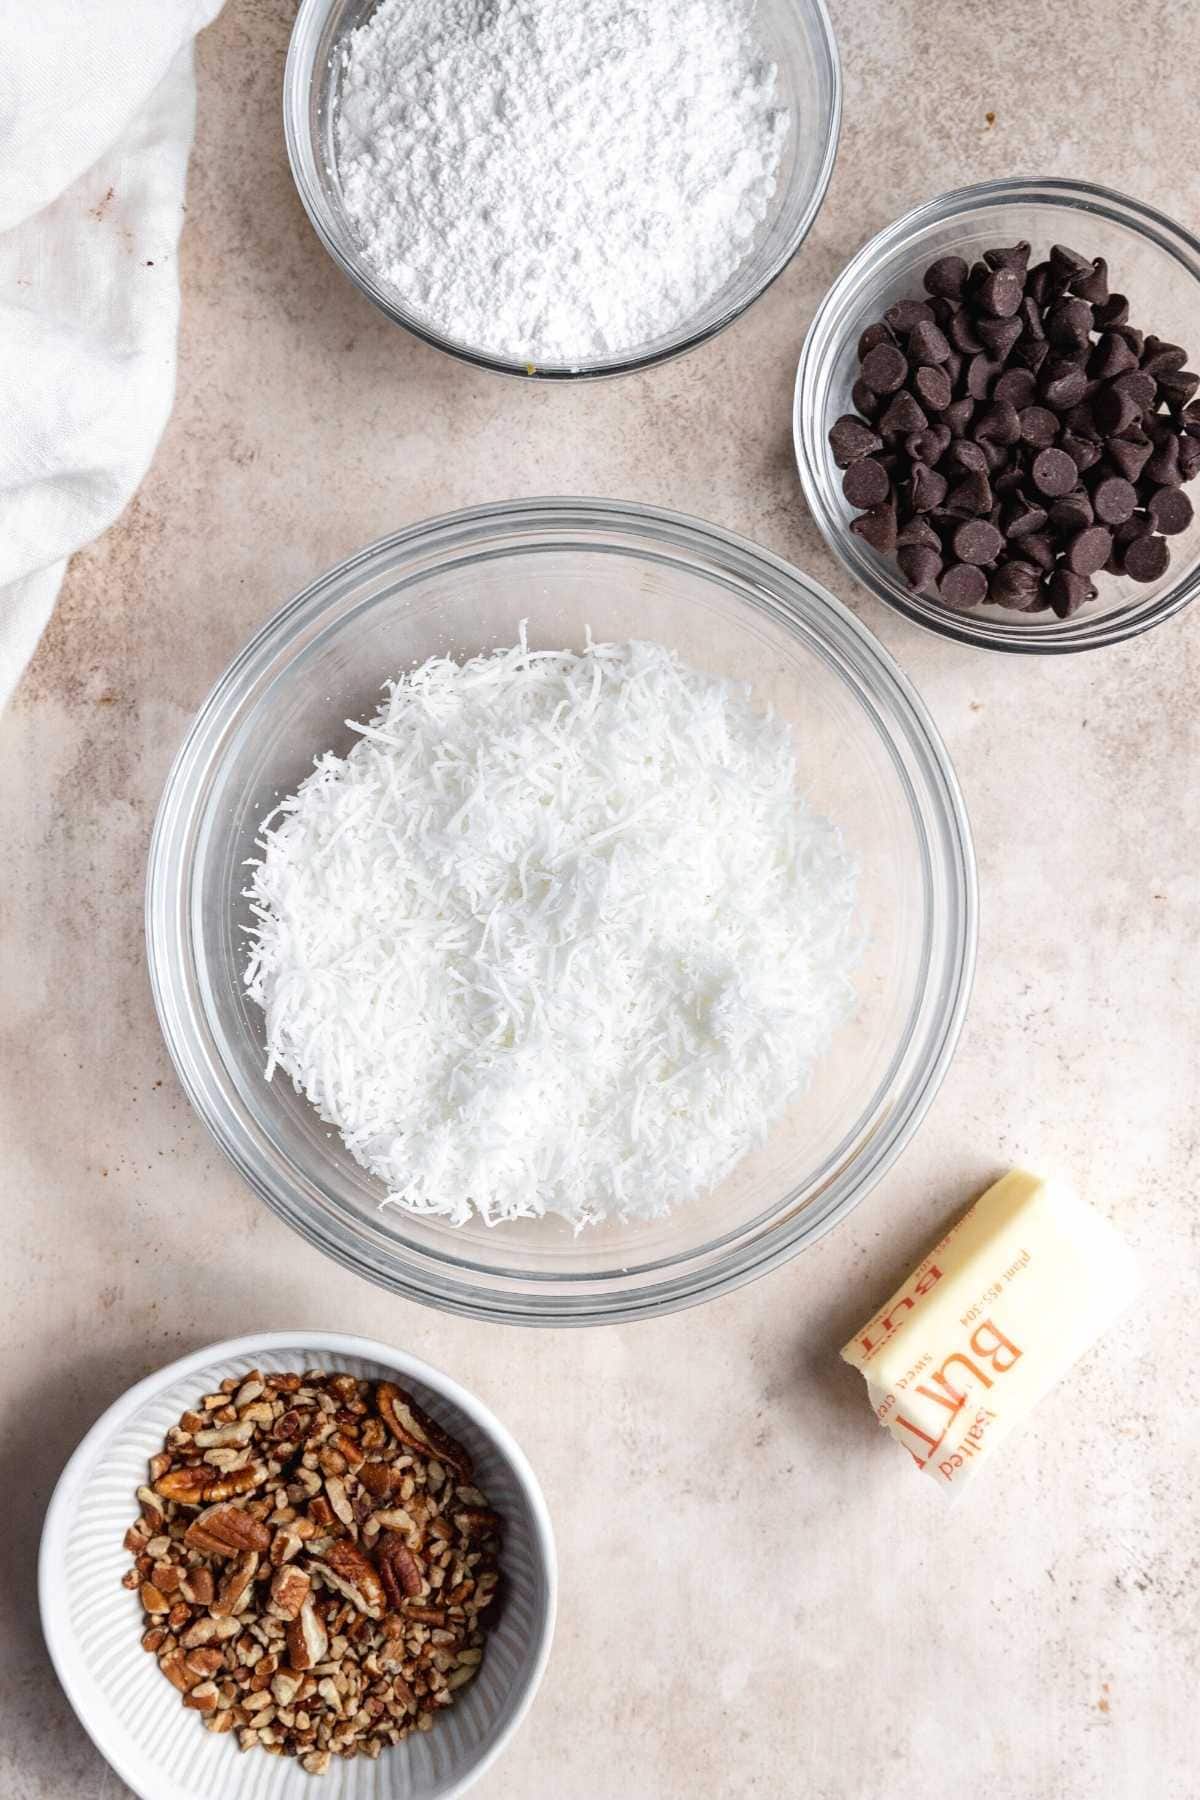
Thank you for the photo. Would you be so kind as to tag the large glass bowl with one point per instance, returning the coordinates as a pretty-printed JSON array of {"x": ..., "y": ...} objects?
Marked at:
[
  {"x": 871, "y": 761},
  {"x": 797, "y": 35},
  {"x": 1153, "y": 261}
]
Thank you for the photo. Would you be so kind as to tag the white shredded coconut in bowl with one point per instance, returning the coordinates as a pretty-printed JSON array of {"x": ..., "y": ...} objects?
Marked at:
[
  {"x": 555, "y": 181},
  {"x": 559, "y": 935}
]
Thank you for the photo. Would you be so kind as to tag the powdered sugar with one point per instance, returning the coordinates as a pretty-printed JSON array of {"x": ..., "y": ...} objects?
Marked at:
[
  {"x": 558, "y": 935},
  {"x": 557, "y": 180}
]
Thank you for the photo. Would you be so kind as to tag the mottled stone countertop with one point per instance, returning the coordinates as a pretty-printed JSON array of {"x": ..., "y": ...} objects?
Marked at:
[{"x": 759, "y": 1596}]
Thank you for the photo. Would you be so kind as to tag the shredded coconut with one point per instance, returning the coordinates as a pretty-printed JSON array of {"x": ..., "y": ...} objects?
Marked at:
[
  {"x": 559, "y": 934},
  {"x": 556, "y": 180}
]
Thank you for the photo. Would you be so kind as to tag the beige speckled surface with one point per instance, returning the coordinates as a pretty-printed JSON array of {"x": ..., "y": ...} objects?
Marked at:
[{"x": 759, "y": 1596}]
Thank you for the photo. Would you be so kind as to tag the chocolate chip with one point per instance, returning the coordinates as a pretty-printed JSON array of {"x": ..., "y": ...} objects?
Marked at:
[
  {"x": 1022, "y": 518},
  {"x": 866, "y": 483},
  {"x": 928, "y": 446},
  {"x": 1170, "y": 510},
  {"x": 958, "y": 415},
  {"x": 961, "y": 332},
  {"x": 963, "y": 585},
  {"x": 1112, "y": 356},
  {"x": 1037, "y": 283},
  {"x": 1071, "y": 513},
  {"x": 998, "y": 336},
  {"x": 1068, "y": 590},
  {"x": 918, "y": 531},
  {"x": 1146, "y": 558},
  {"x": 1161, "y": 358},
  {"x": 905, "y": 315},
  {"x": 849, "y": 439},
  {"x": 947, "y": 277},
  {"x": 1189, "y": 458},
  {"x": 976, "y": 541},
  {"x": 1018, "y": 387},
  {"x": 927, "y": 344},
  {"x": 1069, "y": 324},
  {"x": 927, "y": 488},
  {"x": 1092, "y": 287},
  {"x": 965, "y": 453},
  {"x": 1063, "y": 384},
  {"x": 998, "y": 422},
  {"x": 1039, "y": 548},
  {"x": 1115, "y": 409},
  {"x": 1010, "y": 256},
  {"x": 1089, "y": 549},
  {"x": 902, "y": 416},
  {"x": 1114, "y": 499},
  {"x": 1130, "y": 453},
  {"x": 1014, "y": 584},
  {"x": 1067, "y": 265},
  {"x": 877, "y": 528},
  {"x": 932, "y": 387},
  {"x": 1178, "y": 385},
  {"x": 884, "y": 369},
  {"x": 874, "y": 334},
  {"x": 1000, "y": 293},
  {"x": 1053, "y": 472},
  {"x": 981, "y": 372},
  {"x": 1163, "y": 467},
  {"x": 972, "y": 495},
  {"x": 1031, "y": 353},
  {"x": 1139, "y": 525},
  {"x": 1141, "y": 387},
  {"x": 1079, "y": 420},
  {"x": 921, "y": 565},
  {"x": 1038, "y": 426},
  {"x": 1084, "y": 452}
]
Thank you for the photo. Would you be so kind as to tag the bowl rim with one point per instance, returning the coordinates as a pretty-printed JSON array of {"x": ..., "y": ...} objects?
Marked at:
[
  {"x": 882, "y": 1130},
  {"x": 52, "y": 1596},
  {"x": 1085, "y": 632},
  {"x": 297, "y": 88}
]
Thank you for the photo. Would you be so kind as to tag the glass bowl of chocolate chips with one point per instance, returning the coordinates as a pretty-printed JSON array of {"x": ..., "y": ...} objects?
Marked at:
[{"x": 997, "y": 416}]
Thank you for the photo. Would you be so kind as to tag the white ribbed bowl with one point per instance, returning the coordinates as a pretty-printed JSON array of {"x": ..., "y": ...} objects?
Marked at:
[{"x": 93, "y": 1625}]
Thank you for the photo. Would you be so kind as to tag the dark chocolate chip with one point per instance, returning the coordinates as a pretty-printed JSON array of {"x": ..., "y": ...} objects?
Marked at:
[
  {"x": 1054, "y": 472},
  {"x": 958, "y": 415},
  {"x": 1114, "y": 499},
  {"x": 873, "y": 335},
  {"x": 932, "y": 387},
  {"x": 1112, "y": 356},
  {"x": 1018, "y": 387},
  {"x": 918, "y": 531},
  {"x": 1030, "y": 316},
  {"x": 884, "y": 369},
  {"x": 1114, "y": 409},
  {"x": 1038, "y": 426},
  {"x": 904, "y": 315},
  {"x": 927, "y": 488},
  {"x": 1178, "y": 385},
  {"x": 998, "y": 422},
  {"x": 1079, "y": 420},
  {"x": 865, "y": 483},
  {"x": 1067, "y": 265},
  {"x": 1010, "y": 256},
  {"x": 877, "y": 528},
  {"x": 961, "y": 332},
  {"x": 1141, "y": 387},
  {"x": 1068, "y": 590},
  {"x": 976, "y": 541},
  {"x": 1014, "y": 584},
  {"x": 928, "y": 446},
  {"x": 966, "y": 454},
  {"x": 1163, "y": 467},
  {"x": 1089, "y": 549},
  {"x": 1022, "y": 518},
  {"x": 1146, "y": 558},
  {"x": 1000, "y": 293},
  {"x": 1189, "y": 458},
  {"x": 927, "y": 344},
  {"x": 1136, "y": 526},
  {"x": 849, "y": 439},
  {"x": 981, "y": 372},
  {"x": 1129, "y": 454},
  {"x": 921, "y": 565},
  {"x": 1037, "y": 282},
  {"x": 1069, "y": 323},
  {"x": 1063, "y": 384},
  {"x": 1161, "y": 358},
  {"x": 1092, "y": 287},
  {"x": 947, "y": 277},
  {"x": 902, "y": 416},
  {"x": 865, "y": 399},
  {"x": 1039, "y": 548},
  {"x": 1170, "y": 511},
  {"x": 998, "y": 336},
  {"x": 996, "y": 456},
  {"x": 1071, "y": 513},
  {"x": 971, "y": 496},
  {"x": 1084, "y": 452},
  {"x": 1031, "y": 353},
  {"x": 963, "y": 585}
]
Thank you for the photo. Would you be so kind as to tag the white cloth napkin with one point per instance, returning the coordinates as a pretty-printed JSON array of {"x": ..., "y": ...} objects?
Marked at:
[{"x": 97, "y": 105}]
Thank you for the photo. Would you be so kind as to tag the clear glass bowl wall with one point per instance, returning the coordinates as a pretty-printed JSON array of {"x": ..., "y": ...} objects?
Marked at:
[
  {"x": 871, "y": 761},
  {"x": 1154, "y": 262},
  {"x": 799, "y": 38}
]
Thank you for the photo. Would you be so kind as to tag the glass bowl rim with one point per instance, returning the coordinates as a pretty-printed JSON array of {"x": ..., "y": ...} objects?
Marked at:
[
  {"x": 808, "y": 434},
  {"x": 298, "y": 78},
  {"x": 178, "y": 975}
]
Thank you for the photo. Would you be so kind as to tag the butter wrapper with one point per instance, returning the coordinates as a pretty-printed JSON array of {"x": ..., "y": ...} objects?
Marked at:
[{"x": 989, "y": 1321}]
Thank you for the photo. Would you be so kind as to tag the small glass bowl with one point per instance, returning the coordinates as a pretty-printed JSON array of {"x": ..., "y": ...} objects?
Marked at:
[
  {"x": 1155, "y": 262},
  {"x": 870, "y": 760},
  {"x": 798, "y": 36}
]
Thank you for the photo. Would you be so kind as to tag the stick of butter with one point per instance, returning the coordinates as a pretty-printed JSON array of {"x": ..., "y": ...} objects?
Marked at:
[{"x": 1011, "y": 1297}]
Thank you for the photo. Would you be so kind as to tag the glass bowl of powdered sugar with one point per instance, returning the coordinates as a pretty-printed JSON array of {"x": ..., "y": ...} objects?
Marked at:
[
  {"x": 562, "y": 190},
  {"x": 562, "y": 912}
]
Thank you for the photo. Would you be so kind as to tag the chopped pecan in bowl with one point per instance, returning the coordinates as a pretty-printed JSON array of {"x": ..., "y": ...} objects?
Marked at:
[{"x": 315, "y": 1567}]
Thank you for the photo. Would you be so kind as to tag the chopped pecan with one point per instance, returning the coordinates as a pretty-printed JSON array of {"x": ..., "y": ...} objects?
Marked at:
[
  {"x": 289, "y": 1590},
  {"x": 398, "y": 1569},
  {"x": 227, "y": 1530},
  {"x": 307, "y": 1639},
  {"x": 204, "y": 1662},
  {"x": 235, "y": 1584},
  {"x": 152, "y": 1601},
  {"x": 197, "y": 1586},
  {"x": 379, "y": 1480},
  {"x": 187, "y": 1487},
  {"x": 349, "y": 1572},
  {"x": 174, "y": 1667},
  {"x": 407, "y": 1422}
]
